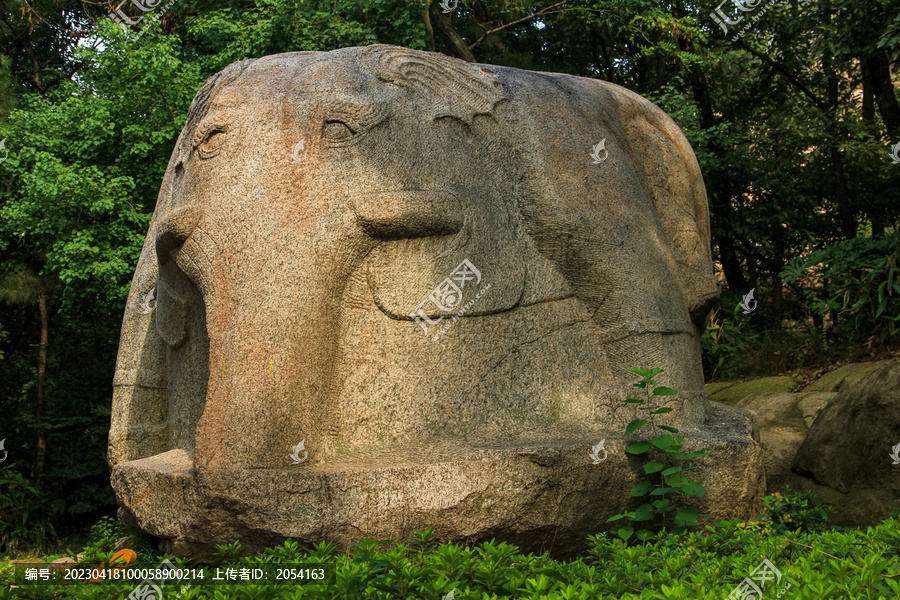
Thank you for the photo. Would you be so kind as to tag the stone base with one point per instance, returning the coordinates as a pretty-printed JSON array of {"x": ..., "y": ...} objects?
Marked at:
[{"x": 540, "y": 494}]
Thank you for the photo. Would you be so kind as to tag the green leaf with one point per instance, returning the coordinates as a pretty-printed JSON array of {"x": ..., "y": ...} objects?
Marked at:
[
  {"x": 637, "y": 448},
  {"x": 692, "y": 488},
  {"x": 667, "y": 428},
  {"x": 677, "y": 480},
  {"x": 687, "y": 516},
  {"x": 634, "y": 426},
  {"x": 634, "y": 401},
  {"x": 641, "y": 489},
  {"x": 625, "y": 532},
  {"x": 662, "y": 491},
  {"x": 654, "y": 466},
  {"x": 644, "y": 512},
  {"x": 663, "y": 442},
  {"x": 661, "y": 411},
  {"x": 664, "y": 391},
  {"x": 615, "y": 518},
  {"x": 658, "y": 504},
  {"x": 672, "y": 470}
]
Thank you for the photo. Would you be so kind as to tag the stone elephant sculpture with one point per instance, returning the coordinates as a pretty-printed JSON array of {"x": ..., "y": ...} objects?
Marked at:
[{"x": 365, "y": 256}]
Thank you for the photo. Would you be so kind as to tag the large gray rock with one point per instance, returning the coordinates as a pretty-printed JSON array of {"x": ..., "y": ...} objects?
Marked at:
[
  {"x": 433, "y": 274},
  {"x": 850, "y": 444},
  {"x": 783, "y": 420}
]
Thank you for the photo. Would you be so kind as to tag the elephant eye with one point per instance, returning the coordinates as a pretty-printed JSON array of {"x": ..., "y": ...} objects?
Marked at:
[
  {"x": 211, "y": 145},
  {"x": 210, "y": 138},
  {"x": 337, "y": 131},
  {"x": 345, "y": 122}
]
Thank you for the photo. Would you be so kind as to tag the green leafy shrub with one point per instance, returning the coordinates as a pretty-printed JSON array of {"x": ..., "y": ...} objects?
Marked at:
[
  {"x": 229, "y": 553},
  {"x": 706, "y": 565},
  {"x": 725, "y": 340},
  {"x": 102, "y": 541},
  {"x": 665, "y": 476},
  {"x": 23, "y": 511},
  {"x": 736, "y": 345},
  {"x": 800, "y": 511},
  {"x": 858, "y": 281}
]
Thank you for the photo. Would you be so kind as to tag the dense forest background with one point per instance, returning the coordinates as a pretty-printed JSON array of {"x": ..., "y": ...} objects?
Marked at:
[{"x": 791, "y": 109}]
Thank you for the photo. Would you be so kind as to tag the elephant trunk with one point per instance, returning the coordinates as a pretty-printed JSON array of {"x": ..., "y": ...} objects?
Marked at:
[{"x": 272, "y": 318}]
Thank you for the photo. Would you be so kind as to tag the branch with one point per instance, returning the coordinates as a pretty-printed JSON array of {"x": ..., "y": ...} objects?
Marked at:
[
  {"x": 784, "y": 72},
  {"x": 542, "y": 12}
]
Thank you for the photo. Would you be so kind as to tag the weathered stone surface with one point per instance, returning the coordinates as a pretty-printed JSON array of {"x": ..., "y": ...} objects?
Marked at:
[
  {"x": 857, "y": 508},
  {"x": 811, "y": 405},
  {"x": 718, "y": 386},
  {"x": 845, "y": 375},
  {"x": 415, "y": 266},
  {"x": 733, "y": 394},
  {"x": 783, "y": 420},
  {"x": 543, "y": 495},
  {"x": 848, "y": 447}
]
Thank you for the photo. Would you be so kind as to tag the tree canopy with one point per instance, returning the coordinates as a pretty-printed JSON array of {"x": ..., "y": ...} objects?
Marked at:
[{"x": 792, "y": 111}]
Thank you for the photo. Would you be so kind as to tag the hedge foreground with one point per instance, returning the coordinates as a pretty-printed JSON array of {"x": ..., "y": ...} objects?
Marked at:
[{"x": 725, "y": 560}]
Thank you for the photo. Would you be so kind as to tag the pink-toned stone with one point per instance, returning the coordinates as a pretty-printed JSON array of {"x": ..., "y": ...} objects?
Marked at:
[{"x": 314, "y": 208}]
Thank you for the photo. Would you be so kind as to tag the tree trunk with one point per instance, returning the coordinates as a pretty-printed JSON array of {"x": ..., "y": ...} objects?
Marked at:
[
  {"x": 426, "y": 19},
  {"x": 443, "y": 24},
  {"x": 719, "y": 187},
  {"x": 846, "y": 215},
  {"x": 879, "y": 68},
  {"x": 876, "y": 216},
  {"x": 41, "y": 442}
]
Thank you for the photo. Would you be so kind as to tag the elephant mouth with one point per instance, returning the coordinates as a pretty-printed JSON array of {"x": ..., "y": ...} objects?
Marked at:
[{"x": 438, "y": 249}]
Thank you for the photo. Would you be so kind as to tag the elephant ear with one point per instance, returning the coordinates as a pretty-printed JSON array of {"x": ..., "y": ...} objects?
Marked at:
[{"x": 454, "y": 87}]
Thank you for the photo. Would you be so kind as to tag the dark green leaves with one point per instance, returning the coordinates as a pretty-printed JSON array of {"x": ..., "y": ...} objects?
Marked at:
[
  {"x": 665, "y": 476},
  {"x": 637, "y": 448},
  {"x": 634, "y": 426},
  {"x": 642, "y": 488},
  {"x": 654, "y": 466},
  {"x": 664, "y": 391}
]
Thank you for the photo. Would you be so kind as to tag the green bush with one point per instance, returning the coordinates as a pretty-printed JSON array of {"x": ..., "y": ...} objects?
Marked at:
[
  {"x": 857, "y": 282},
  {"x": 800, "y": 511},
  {"x": 102, "y": 541},
  {"x": 725, "y": 340},
  {"x": 706, "y": 565},
  {"x": 23, "y": 516}
]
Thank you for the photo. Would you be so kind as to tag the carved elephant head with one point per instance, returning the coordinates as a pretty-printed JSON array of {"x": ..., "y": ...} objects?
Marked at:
[{"x": 377, "y": 247}]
